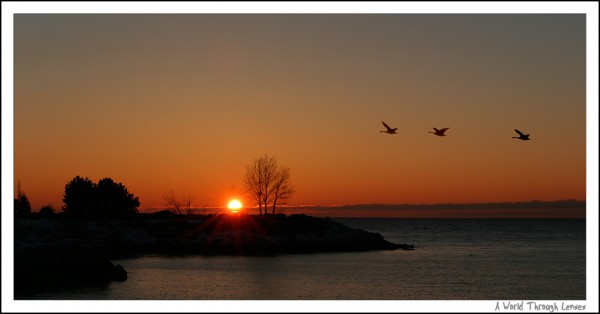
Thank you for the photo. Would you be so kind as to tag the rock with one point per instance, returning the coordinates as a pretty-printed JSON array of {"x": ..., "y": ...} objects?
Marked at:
[
  {"x": 119, "y": 273},
  {"x": 43, "y": 268},
  {"x": 55, "y": 251}
]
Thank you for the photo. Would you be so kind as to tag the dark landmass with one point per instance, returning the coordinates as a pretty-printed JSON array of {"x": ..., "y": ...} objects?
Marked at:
[{"x": 61, "y": 249}]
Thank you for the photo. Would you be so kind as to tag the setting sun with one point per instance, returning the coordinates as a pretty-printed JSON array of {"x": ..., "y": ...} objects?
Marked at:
[{"x": 234, "y": 205}]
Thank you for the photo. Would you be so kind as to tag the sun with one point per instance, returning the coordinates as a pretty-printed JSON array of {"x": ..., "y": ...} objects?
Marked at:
[{"x": 234, "y": 205}]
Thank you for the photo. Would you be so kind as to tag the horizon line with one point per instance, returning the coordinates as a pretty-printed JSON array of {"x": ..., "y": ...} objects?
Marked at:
[{"x": 534, "y": 201}]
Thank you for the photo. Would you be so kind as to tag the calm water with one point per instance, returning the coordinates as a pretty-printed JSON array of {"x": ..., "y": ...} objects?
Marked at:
[{"x": 455, "y": 259}]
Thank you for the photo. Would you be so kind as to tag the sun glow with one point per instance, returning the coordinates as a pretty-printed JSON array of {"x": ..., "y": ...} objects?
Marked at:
[{"x": 234, "y": 205}]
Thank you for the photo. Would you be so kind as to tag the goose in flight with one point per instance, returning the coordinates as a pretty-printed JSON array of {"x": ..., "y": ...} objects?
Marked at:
[
  {"x": 439, "y": 132},
  {"x": 389, "y": 130},
  {"x": 524, "y": 137}
]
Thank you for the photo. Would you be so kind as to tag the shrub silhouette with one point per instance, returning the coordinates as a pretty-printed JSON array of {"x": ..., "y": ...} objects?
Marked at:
[
  {"x": 104, "y": 199},
  {"x": 46, "y": 211}
]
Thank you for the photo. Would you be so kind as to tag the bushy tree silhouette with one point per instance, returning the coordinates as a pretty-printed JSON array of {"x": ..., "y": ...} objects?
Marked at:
[
  {"x": 104, "y": 199},
  {"x": 79, "y": 198},
  {"x": 22, "y": 205},
  {"x": 113, "y": 199}
]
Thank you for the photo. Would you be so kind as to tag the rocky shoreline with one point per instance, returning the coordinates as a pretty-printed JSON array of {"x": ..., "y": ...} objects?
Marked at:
[{"x": 63, "y": 249}]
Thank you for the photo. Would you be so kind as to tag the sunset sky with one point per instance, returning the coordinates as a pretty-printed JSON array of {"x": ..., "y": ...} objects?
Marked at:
[{"x": 184, "y": 102}]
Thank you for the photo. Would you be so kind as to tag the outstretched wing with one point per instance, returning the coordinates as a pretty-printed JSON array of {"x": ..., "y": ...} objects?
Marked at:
[
  {"x": 444, "y": 130},
  {"x": 520, "y": 134},
  {"x": 386, "y": 126}
]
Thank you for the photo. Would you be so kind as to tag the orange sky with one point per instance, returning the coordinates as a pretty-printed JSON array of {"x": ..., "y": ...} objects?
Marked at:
[{"x": 184, "y": 102}]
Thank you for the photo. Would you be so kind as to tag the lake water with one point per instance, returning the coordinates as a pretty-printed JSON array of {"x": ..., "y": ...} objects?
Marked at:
[{"x": 454, "y": 259}]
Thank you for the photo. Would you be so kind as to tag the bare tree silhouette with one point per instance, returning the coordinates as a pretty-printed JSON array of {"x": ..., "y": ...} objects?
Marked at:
[
  {"x": 187, "y": 203},
  {"x": 252, "y": 184},
  {"x": 282, "y": 188},
  {"x": 266, "y": 182},
  {"x": 171, "y": 200},
  {"x": 254, "y": 181},
  {"x": 179, "y": 204}
]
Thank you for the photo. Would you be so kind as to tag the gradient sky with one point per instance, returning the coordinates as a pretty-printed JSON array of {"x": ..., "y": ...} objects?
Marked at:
[{"x": 185, "y": 102}]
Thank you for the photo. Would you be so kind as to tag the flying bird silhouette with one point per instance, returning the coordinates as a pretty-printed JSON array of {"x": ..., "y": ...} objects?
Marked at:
[
  {"x": 524, "y": 137},
  {"x": 439, "y": 132},
  {"x": 389, "y": 130}
]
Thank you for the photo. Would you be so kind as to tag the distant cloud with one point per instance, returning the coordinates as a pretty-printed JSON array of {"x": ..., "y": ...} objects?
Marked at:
[{"x": 532, "y": 209}]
